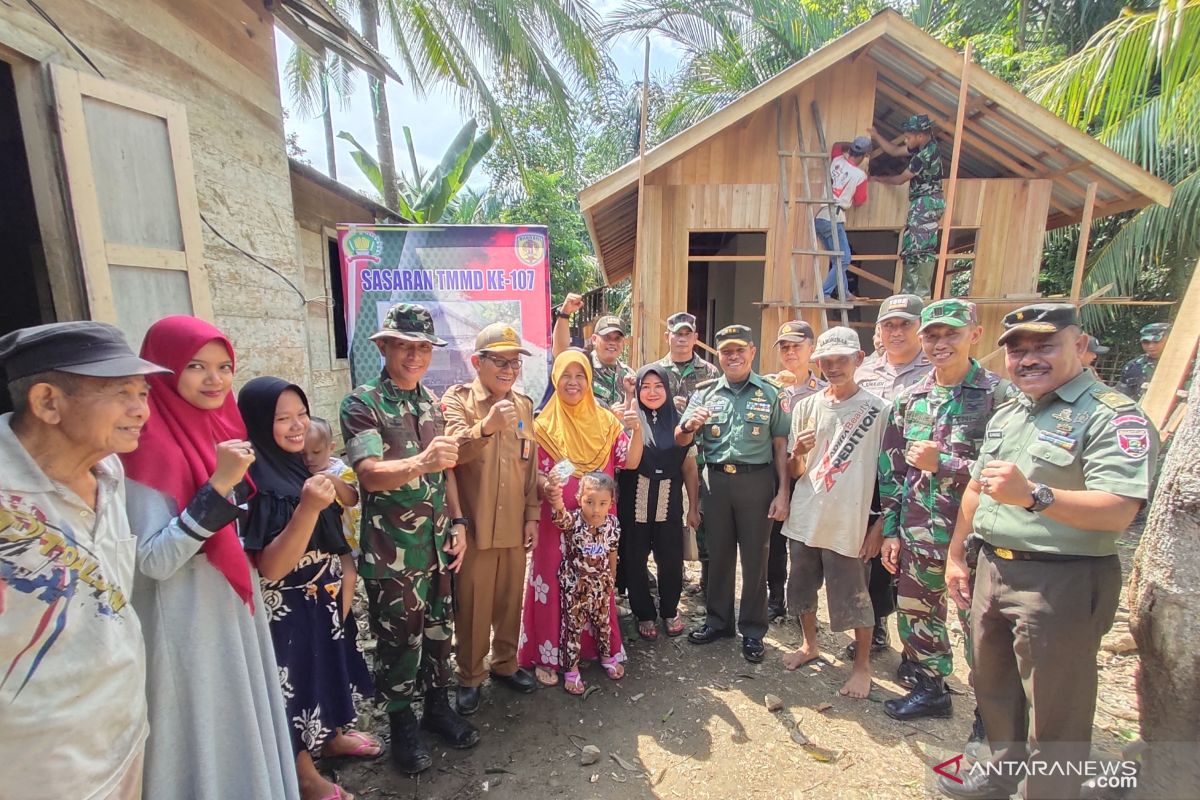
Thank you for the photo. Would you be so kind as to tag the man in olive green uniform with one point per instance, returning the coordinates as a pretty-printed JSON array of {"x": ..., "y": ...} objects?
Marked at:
[
  {"x": 1136, "y": 376},
  {"x": 739, "y": 427},
  {"x": 1061, "y": 473},
  {"x": 412, "y": 536}
]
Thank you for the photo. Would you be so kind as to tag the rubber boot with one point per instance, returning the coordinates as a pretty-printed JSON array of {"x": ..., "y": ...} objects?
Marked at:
[
  {"x": 447, "y": 723},
  {"x": 929, "y": 698},
  {"x": 408, "y": 752}
]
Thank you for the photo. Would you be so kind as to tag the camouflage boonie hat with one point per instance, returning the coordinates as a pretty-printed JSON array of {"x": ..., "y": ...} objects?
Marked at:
[
  {"x": 734, "y": 334},
  {"x": 1039, "y": 318},
  {"x": 917, "y": 123},
  {"x": 680, "y": 320},
  {"x": 609, "y": 324},
  {"x": 1155, "y": 331},
  {"x": 951, "y": 311},
  {"x": 411, "y": 322},
  {"x": 795, "y": 331}
]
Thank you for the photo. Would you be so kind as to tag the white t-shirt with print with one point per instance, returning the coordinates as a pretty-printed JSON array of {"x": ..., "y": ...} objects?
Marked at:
[
  {"x": 844, "y": 179},
  {"x": 832, "y": 499}
]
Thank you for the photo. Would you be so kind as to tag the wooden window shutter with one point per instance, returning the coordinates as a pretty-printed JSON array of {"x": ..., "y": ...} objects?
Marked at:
[{"x": 133, "y": 198}]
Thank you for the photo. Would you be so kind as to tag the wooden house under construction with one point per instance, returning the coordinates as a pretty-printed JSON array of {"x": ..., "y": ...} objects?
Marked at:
[{"x": 717, "y": 219}]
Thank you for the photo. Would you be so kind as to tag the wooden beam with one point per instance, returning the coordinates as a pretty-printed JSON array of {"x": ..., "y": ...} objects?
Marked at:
[
  {"x": 1085, "y": 233},
  {"x": 952, "y": 189},
  {"x": 639, "y": 256},
  {"x": 1173, "y": 367}
]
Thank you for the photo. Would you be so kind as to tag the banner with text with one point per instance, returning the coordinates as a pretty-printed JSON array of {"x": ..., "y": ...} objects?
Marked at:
[{"x": 468, "y": 276}]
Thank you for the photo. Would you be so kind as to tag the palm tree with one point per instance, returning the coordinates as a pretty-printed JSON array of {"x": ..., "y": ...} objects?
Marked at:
[
  {"x": 309, "y": 82},
  {"x": 1136, "y": 86}
]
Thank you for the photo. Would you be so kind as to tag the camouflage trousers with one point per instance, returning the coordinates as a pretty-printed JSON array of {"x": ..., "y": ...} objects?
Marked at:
[
  {"x": 411, "y": 618},
  {"x": 919, "y": 244},
  {"x": 922, "y": 605}
]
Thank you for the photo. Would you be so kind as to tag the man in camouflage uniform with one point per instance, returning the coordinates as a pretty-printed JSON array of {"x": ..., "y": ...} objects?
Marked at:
[
  {"x": 932, "y": 438},
  {"x": 919, "y": 242},
  {"x": 1135, "y": 377},
  {"x": 393, "y": 428}
]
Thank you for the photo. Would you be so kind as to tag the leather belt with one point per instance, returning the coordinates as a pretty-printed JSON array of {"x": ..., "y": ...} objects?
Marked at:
[
  {"x": 1027, "y": 555},
  {"x": 736, "y": 469}
]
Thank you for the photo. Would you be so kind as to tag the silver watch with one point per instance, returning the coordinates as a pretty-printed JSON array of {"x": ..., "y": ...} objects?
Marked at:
[{"x": 1043, "y": 497}]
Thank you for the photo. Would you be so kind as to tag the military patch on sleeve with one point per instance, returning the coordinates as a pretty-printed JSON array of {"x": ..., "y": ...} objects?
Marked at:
[
  {"x": 1114, "y": 400},
  {"x": 1134, "y": 442},
  {"x": 1128, "y": 419}
]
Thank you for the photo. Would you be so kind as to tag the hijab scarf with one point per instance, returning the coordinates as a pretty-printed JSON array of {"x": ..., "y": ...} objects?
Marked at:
[
  {"x": 661, "y": 457},
  {"x": 177, "y": 451},
  {"x": 585, "y": 432}
]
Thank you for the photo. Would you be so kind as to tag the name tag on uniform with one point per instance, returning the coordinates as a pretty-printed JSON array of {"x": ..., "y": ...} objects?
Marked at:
[
  {"x": 1058, "y": 440},
  {"x": 526, "y": 449},
  {"x": 995, "y": 434}
]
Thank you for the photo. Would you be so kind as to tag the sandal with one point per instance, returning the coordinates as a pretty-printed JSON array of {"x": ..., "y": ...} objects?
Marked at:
[
  {"x": 546, "y": 677},
  {"x": 573, "y": 683},
  {"x": 648, "y": 630},
  {"x": 613, "y": 667},
  {"x": 338, "y": 794},
  {"x": 674, "y": 625},
  {"x": 366, "y": 747}
]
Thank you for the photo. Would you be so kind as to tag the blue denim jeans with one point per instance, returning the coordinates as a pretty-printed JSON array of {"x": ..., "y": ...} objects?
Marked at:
[{"x": 836, "y": 274}]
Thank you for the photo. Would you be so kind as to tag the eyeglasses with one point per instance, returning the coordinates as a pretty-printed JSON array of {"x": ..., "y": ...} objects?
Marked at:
[{"x": 503, "y": 363}]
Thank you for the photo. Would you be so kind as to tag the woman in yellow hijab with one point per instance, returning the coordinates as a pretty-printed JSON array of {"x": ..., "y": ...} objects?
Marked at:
[{"x": 572, "y": 426}]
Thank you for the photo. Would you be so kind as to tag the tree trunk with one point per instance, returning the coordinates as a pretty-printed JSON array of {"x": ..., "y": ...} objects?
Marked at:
[
  {"x": 379, "y": 108},
  {"x": 327, "y": 120},
  {"x": 1164, "y": 601}
]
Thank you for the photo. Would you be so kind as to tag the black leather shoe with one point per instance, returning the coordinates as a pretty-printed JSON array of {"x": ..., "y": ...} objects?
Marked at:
[
  {"x": 408, "y": 751},
  {"x": 704, "y": 634},
  {"x": 776, "y": 609},
  {"x": 928, "y": 699},
  {"x": 973, "y": 786},
  {"x": 519, "y": 681},
  {"x": 467, "y": 698},
  {"x": 753, "y": 649},
  {"x": 977, "y": 738},
  {"x": 906, "y": 673},
  {"x": 879, "y": 637},
  {"x": 447, "y": 723}
]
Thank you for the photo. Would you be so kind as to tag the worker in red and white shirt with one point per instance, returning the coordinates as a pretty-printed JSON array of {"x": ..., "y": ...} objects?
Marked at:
[{"x": 849, "y": 183}]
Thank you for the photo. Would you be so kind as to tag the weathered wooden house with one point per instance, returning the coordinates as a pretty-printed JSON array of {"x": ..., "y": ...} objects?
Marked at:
[
  {"x": 143, "y": 172},
  {"x": 717, "y": 219}
]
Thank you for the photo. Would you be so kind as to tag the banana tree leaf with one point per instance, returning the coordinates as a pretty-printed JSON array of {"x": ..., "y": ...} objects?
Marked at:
[
  {"x": 461, "y": 157},
  {"x": 366, "y": 162}
]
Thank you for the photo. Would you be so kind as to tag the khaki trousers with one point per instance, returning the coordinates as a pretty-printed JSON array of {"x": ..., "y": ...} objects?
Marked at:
[{"x": 490, "y": 586}]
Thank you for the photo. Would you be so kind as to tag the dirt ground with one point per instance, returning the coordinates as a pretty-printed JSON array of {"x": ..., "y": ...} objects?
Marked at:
[{"x": 692, "y": 722}]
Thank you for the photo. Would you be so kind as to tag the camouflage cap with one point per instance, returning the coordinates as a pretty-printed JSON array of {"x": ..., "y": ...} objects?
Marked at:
[
  {"x": 680, "y": 320},
  {"x": 837, "y": 341},
  {"x": 408, "y": 321},
  {"x": 739, "y": 335},
  {"x": 795, "y": 331},
  {"x": 952, "y": 311},
  {"x": 499, "y": 337},
  {"x": 609, "y": 324},
  {"x": 917, "y": 123},
  {"x": 901, "y": 306},
  {"x": 1155, "y": 331},
  {"x": 1039, "y": 318}
]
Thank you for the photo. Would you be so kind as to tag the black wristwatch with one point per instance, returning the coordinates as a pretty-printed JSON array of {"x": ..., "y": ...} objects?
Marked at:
[
  {"x": 560, "y": 314},
  {"x": 460, "y": 521},
  {"x": 1043, "y": 497}
]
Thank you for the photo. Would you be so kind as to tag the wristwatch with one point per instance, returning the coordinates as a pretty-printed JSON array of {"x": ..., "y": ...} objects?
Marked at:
[
  {"x": 560, "y": 314},
  {"x": 1043, "y": 497},
  {"x": 460, "y": 521}
]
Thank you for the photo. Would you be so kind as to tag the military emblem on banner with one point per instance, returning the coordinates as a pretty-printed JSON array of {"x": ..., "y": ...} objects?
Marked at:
[
  {"x": 531, "y": 248},
  {"x": 363, "y": 243}
]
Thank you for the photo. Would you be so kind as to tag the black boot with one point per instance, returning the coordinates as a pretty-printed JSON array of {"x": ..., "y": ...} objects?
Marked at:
[
  {"x": 776, "y": 606},
  {"x": 977, "y": 738},
  {"x": 408, "y": 752},
  {"x": 447, "y": 723},
  {"x": 928, "y": 699}
]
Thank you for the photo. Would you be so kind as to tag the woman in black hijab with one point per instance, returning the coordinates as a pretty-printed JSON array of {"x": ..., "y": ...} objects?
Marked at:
[
  {"x": 294, "y": 532},
  {"x": 650, "y": 506}
]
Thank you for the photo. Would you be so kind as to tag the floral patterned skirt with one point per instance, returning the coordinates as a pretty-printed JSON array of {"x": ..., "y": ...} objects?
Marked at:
[{"x": 321, "y": 670}]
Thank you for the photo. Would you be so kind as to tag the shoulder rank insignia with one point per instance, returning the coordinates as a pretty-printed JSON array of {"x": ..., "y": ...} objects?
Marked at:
[
  {"x": 705, "y": 384},
  {"x": 1113, "y": 400},
  {"x": 771, "y": 379}
]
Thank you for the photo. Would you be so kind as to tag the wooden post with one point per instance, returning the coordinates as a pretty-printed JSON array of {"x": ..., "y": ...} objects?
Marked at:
[
  {"x": 944, "y": 248},
  {"x": 639, "y": 248},
  {"x": 1085, "y": 233}
]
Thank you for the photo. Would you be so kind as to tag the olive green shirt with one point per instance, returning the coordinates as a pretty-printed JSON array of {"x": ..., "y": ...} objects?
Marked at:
[
  {"x": 1082, "y": 435},
  {"x": 744, "y": 419}
]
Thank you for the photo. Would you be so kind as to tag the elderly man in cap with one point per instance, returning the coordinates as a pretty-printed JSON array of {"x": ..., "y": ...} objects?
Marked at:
[
  {"x": 74, "y": 720},
  {"x": 739, "y": 428},
  {"x": 931, "y": 441},
  {"x": 612, "y": 378},
  {"x": 496, "y": 475},
  {"x": 923, "y": 174},
  {"x": 901, "y": 364},
  {"x": 848, "y": 181},
  {"x": 1062, "y": 472},
  {"x": 1136, "y": 376},
  {"x": 413, "y": 536}
]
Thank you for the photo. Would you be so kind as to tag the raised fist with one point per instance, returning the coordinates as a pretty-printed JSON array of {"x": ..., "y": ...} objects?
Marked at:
[
  {"x": 318, "y": 491},
  {"x": 441, "y": 454}
]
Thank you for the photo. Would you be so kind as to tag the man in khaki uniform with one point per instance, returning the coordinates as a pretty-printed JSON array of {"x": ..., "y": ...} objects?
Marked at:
[
  {"x": 497, "y": 479},
  {"x": 1061, "y": 473}
]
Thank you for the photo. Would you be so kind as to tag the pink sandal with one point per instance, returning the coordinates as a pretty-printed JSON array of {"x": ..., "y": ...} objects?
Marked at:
[
  {"x": 367, "y": 747},
  {"x": 613, "y": 667},
  {"x": 338, "y": 794},
  {"x": 573, "y": 683}
]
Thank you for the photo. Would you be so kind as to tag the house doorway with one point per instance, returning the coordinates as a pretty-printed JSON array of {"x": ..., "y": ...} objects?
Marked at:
[
  {"x": 725, "y": 281},
  {"x": 26, "y": 298}
]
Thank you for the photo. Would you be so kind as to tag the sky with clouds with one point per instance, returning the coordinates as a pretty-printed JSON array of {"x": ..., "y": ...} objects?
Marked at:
[{"x": 434, "y": 119}]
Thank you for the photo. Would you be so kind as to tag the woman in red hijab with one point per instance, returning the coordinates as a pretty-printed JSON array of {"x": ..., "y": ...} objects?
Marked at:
[{"x": 218, "y": 727}]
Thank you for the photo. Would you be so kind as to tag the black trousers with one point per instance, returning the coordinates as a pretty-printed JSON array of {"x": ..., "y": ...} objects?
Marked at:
[
  {"x": 737, "y": 527},
  {"x": 665, "y": 540},
  {"x": 881, "y": 589},
  {"x": 777, "y": 566}
]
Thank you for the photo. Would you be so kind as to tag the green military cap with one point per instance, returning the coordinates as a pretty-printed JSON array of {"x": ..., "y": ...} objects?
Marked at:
[
  {"x": 1155, "y": 331},
  {"x": 609, "y": 324},
  {"x": 1094, "y": 346},
  {"x": 837, "y": 341},
  {"x": 952, "y": 311},
  {"x": 795, "y": 331},
  {"x": 917, "y": 123},
  {"x": 734, "y": 334},
  {"x": 900, "y": 306},
  {"x": 409, "y": 321},
  {"x": 680, "y": 320},
  {"x": 499, "y": 337},
  {"x": 1039, "y": 318}
]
